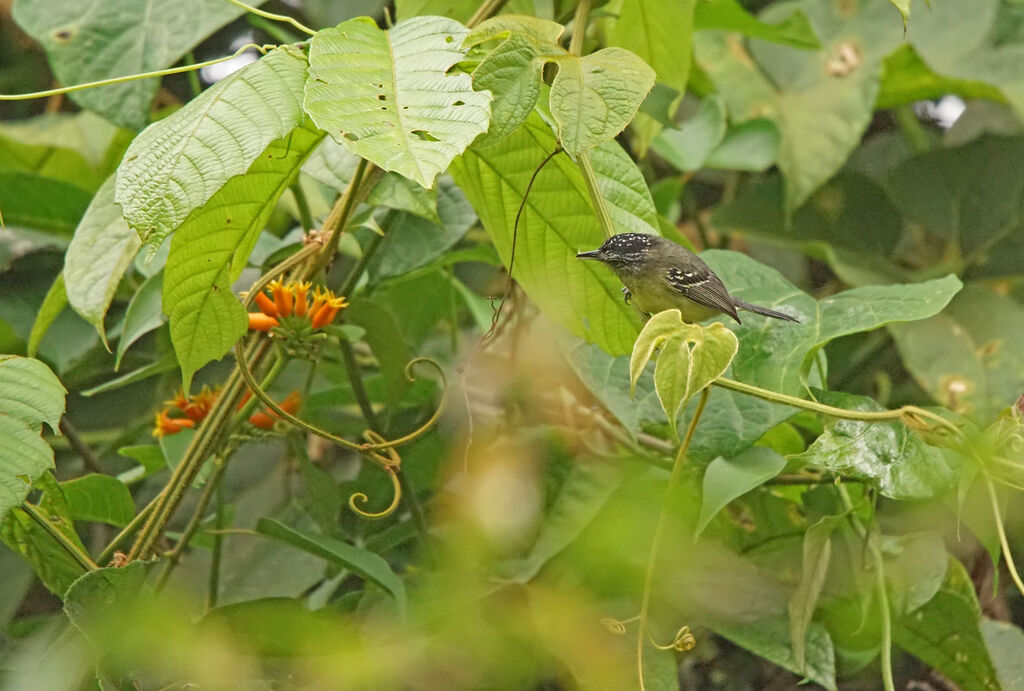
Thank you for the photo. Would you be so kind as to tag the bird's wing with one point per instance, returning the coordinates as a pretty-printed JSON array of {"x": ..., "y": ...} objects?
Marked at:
[{"x": 704, "y": 287}]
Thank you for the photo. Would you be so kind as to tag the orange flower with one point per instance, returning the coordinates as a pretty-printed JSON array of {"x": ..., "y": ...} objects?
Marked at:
[
  {"x": 165, "y": 424},
  {"x": 291, "y": 404},
  {"x": 325, "y": 315},
  {"x": 283, "y": 298},
  {"x": 261, "y": 420},
  {"x": 261, "y": 322},
  {"x": 266, "y": 305},
  {"x": 301, "y": 288},
  {"x": 266, "y": 420}
]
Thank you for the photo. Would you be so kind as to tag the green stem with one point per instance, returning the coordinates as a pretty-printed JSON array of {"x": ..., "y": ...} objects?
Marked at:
[
  {"x": 881, "y": 590},
  {"x": 80, "y": 447},
  {"x": 193, "y": 524},
  {"x": 128, "y": 78},
  {"x": 348, "y": 357},
  {"x": 1003, "y": 542},
  {"x": 579, "y": 27},
  {"x": 487, "y": 9},
  {"x": 213, "y": 586},
  {"x": 842, "y": 413},
  {"x": 912, "y": 128},
  {"x": 108, "y": 552},
  {"x": 596, "y": 198},
  {"x": 363, "y": 179},
  {"x": 305, "y": 217},
  {"x": 70, "y": 547},
  {"x": 677, "y": 469},
  {"x": 193, "y": 77},
  {"x": 352, "y": 278},
  {"x": 274, "y": 30},
  {"x": 275, "y": 17}
]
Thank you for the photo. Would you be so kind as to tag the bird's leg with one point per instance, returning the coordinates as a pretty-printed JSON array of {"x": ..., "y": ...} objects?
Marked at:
[{"x": 627, "y": 294}]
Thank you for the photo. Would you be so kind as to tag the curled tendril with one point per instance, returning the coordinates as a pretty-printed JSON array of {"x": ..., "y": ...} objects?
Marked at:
[
  {"x": 425, "y": 427},
  {"x": 361, "y": 498},
  {"x": 390, "y": 458},
  {"x": 614, "y": 626},
  {"x": 923, "y": 420},
  {"x": 684, "y": 641}
]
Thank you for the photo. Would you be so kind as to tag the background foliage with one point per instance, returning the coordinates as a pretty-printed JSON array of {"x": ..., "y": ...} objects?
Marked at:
[{"x": 856, "y": 162}]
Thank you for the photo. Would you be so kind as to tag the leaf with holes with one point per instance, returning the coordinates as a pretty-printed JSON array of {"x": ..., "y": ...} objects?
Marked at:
[
  {"x": 177, "y": 164},
  {"x": 594, "y": 97},
  {"x": 387, "y": 95},
  {"x": 209, "y": 252},
  {"x": 30, "y": 395}
]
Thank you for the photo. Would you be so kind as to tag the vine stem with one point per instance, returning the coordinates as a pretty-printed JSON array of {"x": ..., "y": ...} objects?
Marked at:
[
  {"x": 1003, "y": 542},
  {"x": 883, "y": 594},
  {"x": 71, "y": 548},
  {"x": 274, "y": 17},
  {"x": 652, "y": 561},
  {"x": 842, "y": 413},
  {"x": 193, "y": 524},
  {"x": 579, "y": 27},
  {"x": 131, "y": 77}
]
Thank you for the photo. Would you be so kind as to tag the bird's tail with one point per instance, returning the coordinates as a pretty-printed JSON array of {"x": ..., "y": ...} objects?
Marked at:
[{"x": 764, "y": 311}]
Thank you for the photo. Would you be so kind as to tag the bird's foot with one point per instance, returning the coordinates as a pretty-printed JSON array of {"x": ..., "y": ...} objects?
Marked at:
[{"x": 627, "y": 294}]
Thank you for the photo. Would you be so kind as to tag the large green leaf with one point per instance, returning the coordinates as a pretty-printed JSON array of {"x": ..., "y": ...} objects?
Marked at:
[
  {"x": 821, "y": 100},
  {"x": 558, "y": 221},
  {"x": 96, "y": 497},
  {"x": 595, "y": 96},
  {"x": 660, "y": 34},
  {"x": 885, "y": 454},
  {"x": 101, "y": 250},
  {"x": 512, "y": 73},
  {"x": 945, "y": 634},
  {"x": 90, "y": 40},
  {"x": 1004, "y": 642},
  {"x": 368, "y": 565},
  {"x": 729, "y": 15},
  {"x": 459, "y": 9},
  {"x": 177, "y": 164},
  {"x": 968, "y": 357},
  {"x": 96, "y": 600},
  {"x": 817, "y": 554},
  {"x": 963, "y": 42},
  {"x": 726, "y": 479},
  {"x": 769, "y": 638},
  {"x": 30, "y": 395},
  {"x": 907, "y": 78},
  {"x": 30, "y": 200},
  {"x": 387, "y": 95},
  {"x": 210, "y": 250}
]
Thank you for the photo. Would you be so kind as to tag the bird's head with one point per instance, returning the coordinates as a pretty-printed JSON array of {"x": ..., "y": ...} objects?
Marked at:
[{"x": 624, "y": 251}]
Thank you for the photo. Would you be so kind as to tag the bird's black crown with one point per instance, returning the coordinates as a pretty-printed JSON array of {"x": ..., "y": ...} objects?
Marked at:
[{"x": 625, "y": 244}]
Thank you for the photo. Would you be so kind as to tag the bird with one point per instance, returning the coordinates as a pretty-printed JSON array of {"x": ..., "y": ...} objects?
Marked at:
[{"x": 659, "y": 274}]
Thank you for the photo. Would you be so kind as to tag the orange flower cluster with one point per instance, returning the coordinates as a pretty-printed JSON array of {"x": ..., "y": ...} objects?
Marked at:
[
  {"x": 290, "y": 301},
  {"x": 196, "y": 408}
]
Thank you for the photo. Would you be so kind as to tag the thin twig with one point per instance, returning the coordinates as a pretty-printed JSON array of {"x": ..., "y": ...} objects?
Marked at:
[{"x": 80, "y": 447}]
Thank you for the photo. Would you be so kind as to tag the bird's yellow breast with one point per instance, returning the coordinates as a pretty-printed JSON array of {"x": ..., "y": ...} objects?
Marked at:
[{"x": 657, "y": 296}]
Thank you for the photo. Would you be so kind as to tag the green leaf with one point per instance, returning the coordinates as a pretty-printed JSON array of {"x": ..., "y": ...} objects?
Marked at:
[
  {"x": 102, "y": 248},
  {"x": 210, "y": 250},
  {"x": 366, "y": 564},
  {"x": 687, "y": 148},
  {"x": 594, "y": 97},
  {"x": 692, "y": 356},
  {"x": 387, "y": 342},
  {"x": 886, "y": 454},
  {"x": 660, "y": 34},
  {"x": 728, "y": 15},
  {"x": 30, "y": 200},
  {"x": 53, "y": 565},
  {"x": 945, "y": 634},
  {"x": 97, "y": 600},
  {"x": 1004, "y": 642},
  {"x": 904, "y": 7},
  {"x": 177, "y": 164},
  {"x": 906, "y": 78},
  {"x": 144, "y": 314},
  {"x": 459, "y": 9},
  {"x": 751, "y": 146},
  {"x": 915, "y": 567},
  {"x": 99, "y": 498},
  {"x": 817, "y": 553},
  {"x": 963, "y": 42},
  {"x": 53, "y": 304},
  {"x": 512, "y": 73},
  {"x": 769, "y": 638},
  {"x": 557, "y": 222},
  {"x": 728, "y": 479},
  {"x": 89, "y": 41},
  {"x": 30, "y": 394},
  {"x": 968, "y": 357},
  {"x": 387, "y": 95},
  {"x": 276, "y": 627}
]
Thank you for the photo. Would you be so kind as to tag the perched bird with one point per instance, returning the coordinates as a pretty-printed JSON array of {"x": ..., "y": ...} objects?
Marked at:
[{"x": 660, "y": 274}]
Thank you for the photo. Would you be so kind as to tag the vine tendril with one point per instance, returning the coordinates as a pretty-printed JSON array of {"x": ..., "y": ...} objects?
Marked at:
[
  {"x": 361, "y": 498},
  {"x": 683, "y": 641}
]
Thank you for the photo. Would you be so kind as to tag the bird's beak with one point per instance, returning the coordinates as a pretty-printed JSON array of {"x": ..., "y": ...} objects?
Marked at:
[{"x": 592, "y": 254}]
